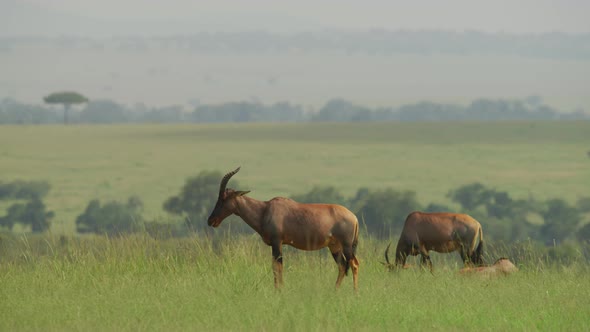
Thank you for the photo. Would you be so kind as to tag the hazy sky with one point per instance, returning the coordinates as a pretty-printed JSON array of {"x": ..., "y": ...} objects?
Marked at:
[
  {"x": 185, "y": 16},
  {"x": 162, "y": 77}
]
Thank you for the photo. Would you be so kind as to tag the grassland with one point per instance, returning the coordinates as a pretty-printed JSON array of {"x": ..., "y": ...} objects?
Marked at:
[
  {"x": 543, "y": 159},
  {"x": 225, "y": 283}
]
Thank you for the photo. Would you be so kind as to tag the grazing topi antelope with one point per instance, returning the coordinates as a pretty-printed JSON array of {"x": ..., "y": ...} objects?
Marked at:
[
  {"x": 304, "y": 226},
  {"x": 441, "y": 232}
]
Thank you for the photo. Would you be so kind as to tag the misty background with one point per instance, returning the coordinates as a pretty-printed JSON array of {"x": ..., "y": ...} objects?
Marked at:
[
  {"x": 182, "y": 55},
  {"x": 286, "y": 61}
]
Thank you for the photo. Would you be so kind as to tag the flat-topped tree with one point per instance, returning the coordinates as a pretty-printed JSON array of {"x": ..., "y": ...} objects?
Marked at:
[{"x": 67, "y": 98}]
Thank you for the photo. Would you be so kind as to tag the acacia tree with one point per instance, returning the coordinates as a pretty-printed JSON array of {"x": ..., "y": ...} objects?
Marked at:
[{"x": 67, "y": 99}]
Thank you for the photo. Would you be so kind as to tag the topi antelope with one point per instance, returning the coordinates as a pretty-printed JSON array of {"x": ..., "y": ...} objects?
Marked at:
[
  {"x": 441, "y": 232},
  {"x": 502, "y": 267},
  {"x": 304, "y": 226}
]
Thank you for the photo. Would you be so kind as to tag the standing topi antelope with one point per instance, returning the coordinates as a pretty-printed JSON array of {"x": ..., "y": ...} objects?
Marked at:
[
  {"x": 441, "y": 232},
  {"x": 304, "y": 226}
]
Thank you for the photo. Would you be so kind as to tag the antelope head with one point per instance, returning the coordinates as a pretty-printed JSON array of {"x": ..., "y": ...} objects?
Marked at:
[
  {"x": 388, "y": 264},
  {"x": 226, "y": 201}
]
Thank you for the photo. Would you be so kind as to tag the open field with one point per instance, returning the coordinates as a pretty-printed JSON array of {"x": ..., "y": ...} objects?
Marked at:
[
  {"x": 225, "y": 283},
  {"x": 221, "y": 281},
  {"x": 543, "y": 159}
]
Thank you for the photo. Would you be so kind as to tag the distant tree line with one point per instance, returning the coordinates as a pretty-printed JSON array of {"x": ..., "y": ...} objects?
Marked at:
[
  {"x": 375, "y": 41},
  {"x": 335, "y": 110},
  {"x": 381, "y": 212},
  {"x": 503, "y": 218}
]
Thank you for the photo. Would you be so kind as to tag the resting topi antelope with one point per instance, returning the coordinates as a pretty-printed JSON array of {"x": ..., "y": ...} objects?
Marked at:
[{"x": 502, "y": 267}]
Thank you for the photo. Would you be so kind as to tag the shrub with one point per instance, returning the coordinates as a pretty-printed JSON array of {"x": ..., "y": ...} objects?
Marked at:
[{"x": 112, "y": 218}]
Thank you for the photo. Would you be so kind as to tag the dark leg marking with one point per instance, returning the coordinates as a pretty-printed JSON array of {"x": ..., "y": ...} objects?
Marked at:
[{"x": 276, "y": 254}]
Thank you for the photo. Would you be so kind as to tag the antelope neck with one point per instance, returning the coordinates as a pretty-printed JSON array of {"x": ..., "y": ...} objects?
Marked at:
[{"x": 251, "y": 211}]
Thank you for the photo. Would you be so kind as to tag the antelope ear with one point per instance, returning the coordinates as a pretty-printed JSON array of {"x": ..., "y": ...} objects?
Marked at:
[{"x": 241, "y": 193}]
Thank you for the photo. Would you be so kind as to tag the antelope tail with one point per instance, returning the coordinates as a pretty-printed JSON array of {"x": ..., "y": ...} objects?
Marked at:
[
  {"x": 355, "y": 242},
  {"x": 477, "y": 252}
]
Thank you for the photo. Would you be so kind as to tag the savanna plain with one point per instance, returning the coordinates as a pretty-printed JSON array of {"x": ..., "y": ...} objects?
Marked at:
[{"x": 222, "y": 281}]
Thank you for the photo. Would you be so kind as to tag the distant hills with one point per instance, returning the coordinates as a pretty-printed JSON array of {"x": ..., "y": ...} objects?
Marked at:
[{"x": 376, "y": 41}]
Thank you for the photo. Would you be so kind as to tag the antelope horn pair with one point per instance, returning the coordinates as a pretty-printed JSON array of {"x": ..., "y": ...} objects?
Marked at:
[{"x": 225, "y": 180}]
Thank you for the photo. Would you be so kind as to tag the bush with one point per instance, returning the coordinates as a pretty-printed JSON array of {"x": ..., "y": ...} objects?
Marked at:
[
  {"x": 583, "y": 234},
  {"x": 320, "y": 194},
  {"x": 112, "y": 218},
  {"x": 23, "y": 189},
  {"x": 385, "y": 211},
  {"x": 561, "y": 220},
  {"x": 196, "y": 198},
  {"x": 32, "y": 212}
]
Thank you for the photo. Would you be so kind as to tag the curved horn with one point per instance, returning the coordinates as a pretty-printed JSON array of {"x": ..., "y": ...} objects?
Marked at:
[
  {"x": 225, "y": 180},
  {"x": 387, "y": 254}
]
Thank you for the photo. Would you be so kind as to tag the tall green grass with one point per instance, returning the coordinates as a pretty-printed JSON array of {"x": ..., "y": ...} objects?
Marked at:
[{"x": 224, "y": 282}]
